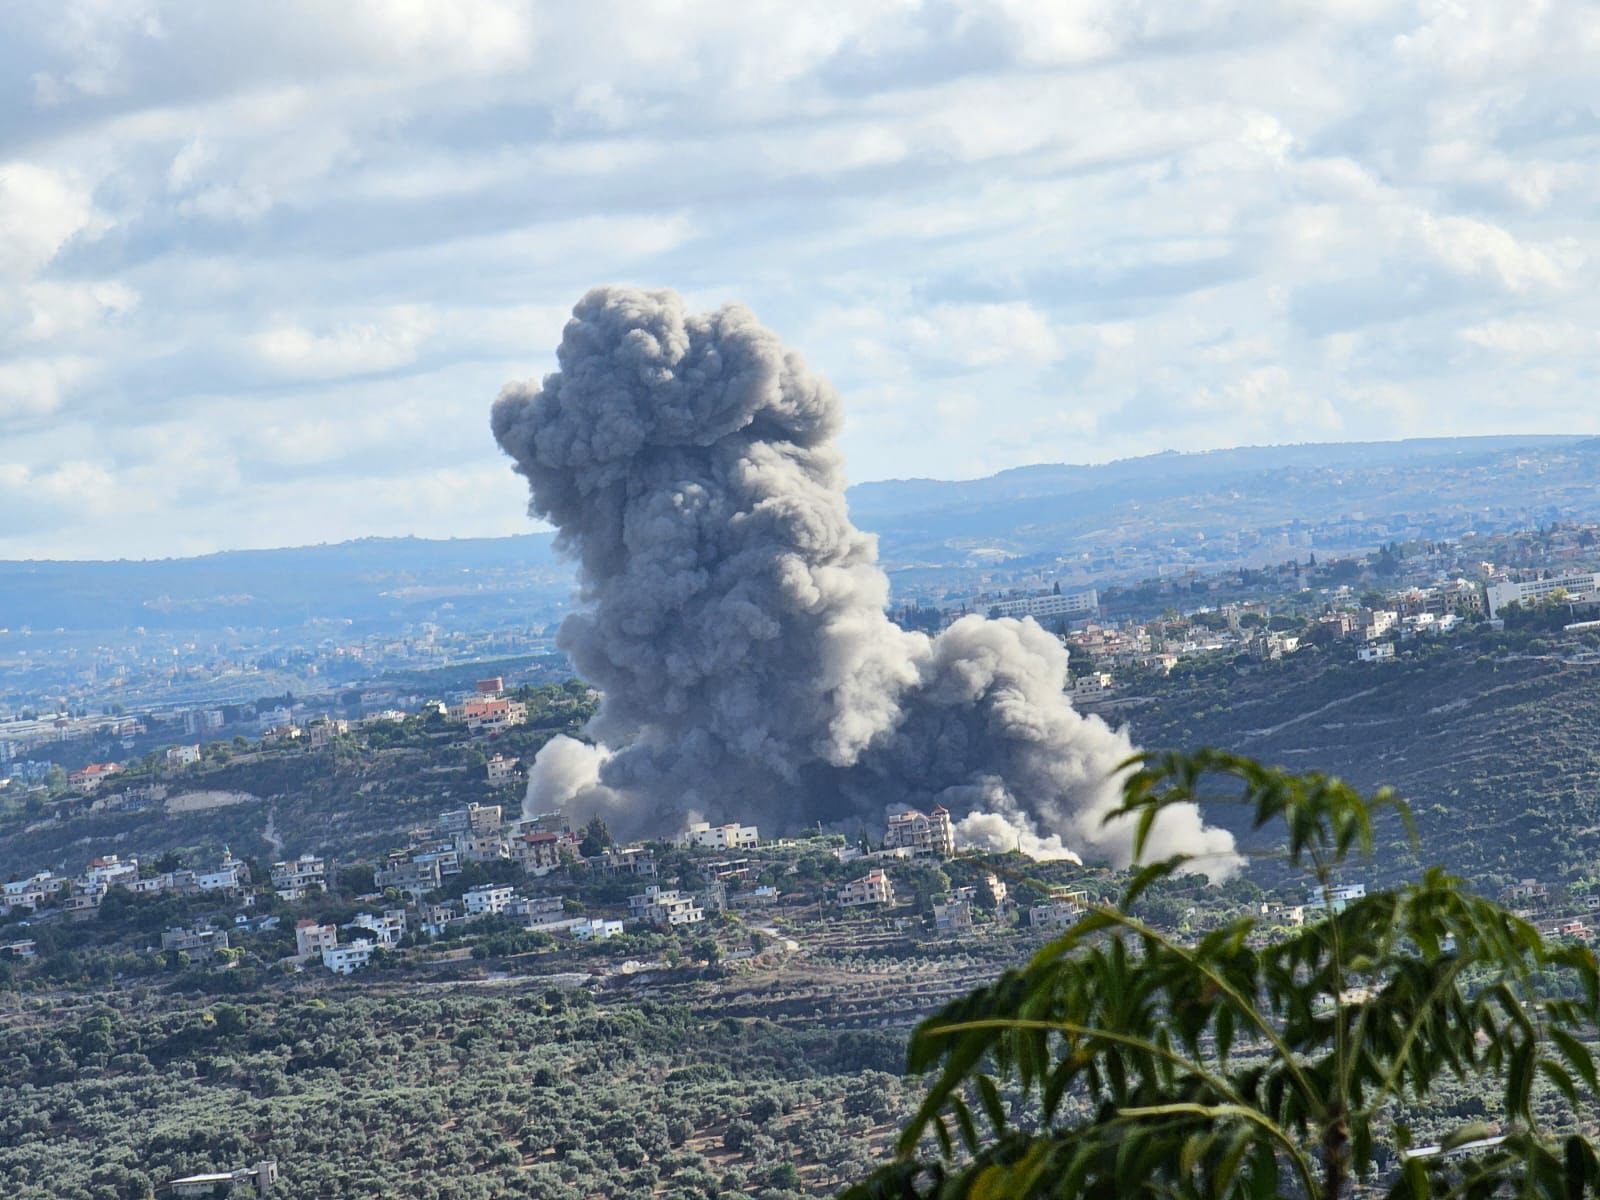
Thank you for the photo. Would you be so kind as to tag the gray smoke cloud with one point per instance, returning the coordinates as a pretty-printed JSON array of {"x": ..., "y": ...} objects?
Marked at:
[{"x": 734, "y": 619}]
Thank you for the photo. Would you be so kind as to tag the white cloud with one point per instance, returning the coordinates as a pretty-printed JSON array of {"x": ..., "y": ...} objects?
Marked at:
[{"x": 280, "y": 255}]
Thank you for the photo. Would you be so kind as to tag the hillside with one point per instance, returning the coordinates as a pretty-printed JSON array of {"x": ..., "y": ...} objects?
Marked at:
[
  {"x": 1495, "y": 745},
  {"x": 1121, "y": 520}
]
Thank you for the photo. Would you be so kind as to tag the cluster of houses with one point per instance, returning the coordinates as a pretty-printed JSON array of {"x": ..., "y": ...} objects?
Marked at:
[{"x": 80, "y": 895}]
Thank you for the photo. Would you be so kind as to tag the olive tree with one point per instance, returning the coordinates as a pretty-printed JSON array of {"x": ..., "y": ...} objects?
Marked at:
[{"x": 1122, "y": 1062}]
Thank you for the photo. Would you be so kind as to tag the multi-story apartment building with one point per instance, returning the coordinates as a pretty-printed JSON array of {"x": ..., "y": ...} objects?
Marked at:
[
  {"x": 923, "y": 834},
  {"x": 346, "y": 960},
  {"x": 536, "y": 853},
  {"x": 661, "y": 906},
  {"x": 292, "y": 879},
  {"x": 486, "y": 899},
  {"x": 874, "y": 887},
  {"x": 732, "y": 836},
  {"x": 312, "y": 938},
  {"x": 386, "y": 930},
  {"x": 474, "y": 818},
  {"x": 200, "y": 943}
]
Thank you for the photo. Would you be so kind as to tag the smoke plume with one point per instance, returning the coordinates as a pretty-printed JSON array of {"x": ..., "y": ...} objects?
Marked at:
[{"x": 733, "y": 617}]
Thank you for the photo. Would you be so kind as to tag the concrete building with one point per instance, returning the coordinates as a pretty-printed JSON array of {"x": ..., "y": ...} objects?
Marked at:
[
  {"x": 596, "y": 929},
  {"x": 474, "y": 818},
  {"x": 732, "y": 836},
  {"x": 1042, "y": 604},
  {"x": 1377, "y": 652},
  {"x": 386, "y": 930},
  {"x": 628, "y": 860},
  {"x": 536, "y": 853},
  {"x": 872, "y": 888},
  {"x": 258, "y": 1178},
  {"x": 291, "y": 880},
  {"x": 1535, "y": 591},
  {"x": 183, "y": 756},
  {"x": 93, "y": 775},
  {"x": 347, "y": 960},
  {"x": 665, "y": 907},
  {"x": 954, "y": 916},
  {"x": 415, "y": 878},
  {"x": 311, "y": 938},
  {"x": 1063, "y": 907},
  {"x": 1338, "y": 897},
  {"x": 200, "y": 943},
  {"x": 928, "y": 834},
  {"x": 487, "y": 899},
  {"x": 502, "y": 769}
]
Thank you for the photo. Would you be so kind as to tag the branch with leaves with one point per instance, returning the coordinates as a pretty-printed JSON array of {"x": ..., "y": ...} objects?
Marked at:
[{"x": 1119, "y": 1062}]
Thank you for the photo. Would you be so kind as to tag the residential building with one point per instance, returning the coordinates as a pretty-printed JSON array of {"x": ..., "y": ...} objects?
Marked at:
[
  {"x": 414, "y": 877},
  {"x": 260, "y": 1178},
  {"x": 474, "y": 818},
  {"x": 183, "y": 756},
  {"x": 1337, "y": 897},
  {"x": 230, "y": 876},
  {"x": 872, "y": 888},
  {"x": 386, "y": 930},
  {"x": 200, "y": 943},
  {"x": 930, "y": 834},
  {"x": 502, "y": 768},
  {"x": 347, "y": 960},
  {"x": 487, "y": 899},
  {"x": 665, "y": 907},
  {"x": 291, "y": 880},
  {"x": 311, "y": 938},
  {"x": 1535, "y": 591},
  {"x": 954, "y": 916},
  {"x": 323, "y": 733},
  {"x": 1376, "y": 653},
  {"x": 1527, "y": 890},
  {"x": 596, "y": 929},
  {"x": 490, "y": 713},
  {"x": 536, "y": 853},
  {"x": 997, "y": 890},
  {"x": 1062, "y": 908},
  {"x": 537, "y": 910},
  {"x": 93, "y": 775},
  {"x": 628, "y": 860},
  {"x": 732, "y": 836},
  {"x": 480, "y": 847},
  {"x": 1091, "y": 685},
  {"x": 108, "y": 872},
  {"x": 82, "y": 906}
]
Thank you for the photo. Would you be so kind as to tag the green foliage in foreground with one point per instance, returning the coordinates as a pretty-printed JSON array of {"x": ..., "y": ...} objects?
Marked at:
[{"x": 1121, "y": 1063}]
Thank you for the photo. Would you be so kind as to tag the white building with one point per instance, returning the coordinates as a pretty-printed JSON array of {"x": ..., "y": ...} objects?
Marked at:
[
  {"x": 1337, "y": 898},
  {"x": 661, "y": 906},
  {"x": 311, "y": 938},
  {"x": 1044, "y": 604},
  {"x": 486, "y": 899},
  {"x": 1377, "y": 652},
  {"x": 231, "y": 875},
  {"x": 923, "y": 834},
  {"x": 1534, "y": 591},
  {"x": 183, "y": 756},
  {"x": 872, "y": 888},
  {"x": 732, "y": 836},
  {"x": 596, "y": 929},
  {"x": 346, "y": 960},
  {"x": 502, "y": 768},
  {"x": 387, "y": 929}
]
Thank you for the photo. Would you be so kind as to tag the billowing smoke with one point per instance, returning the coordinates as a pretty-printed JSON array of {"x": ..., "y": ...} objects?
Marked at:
[{"x": 733, "y": 617}]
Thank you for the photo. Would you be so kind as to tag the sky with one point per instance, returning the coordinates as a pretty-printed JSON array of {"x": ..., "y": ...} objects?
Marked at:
[{"x": 264, "y": 265}]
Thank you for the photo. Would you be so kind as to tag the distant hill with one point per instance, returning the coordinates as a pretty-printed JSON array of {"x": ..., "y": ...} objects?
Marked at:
[
  {"x": 1491, "y": 738},
  {"x": 1129, "y": 518}
]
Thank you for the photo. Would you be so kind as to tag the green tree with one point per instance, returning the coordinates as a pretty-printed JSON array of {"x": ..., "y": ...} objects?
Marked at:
[
  {"x": 596, "y": 837},
  {"x": 1140, "y": 1066}
]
